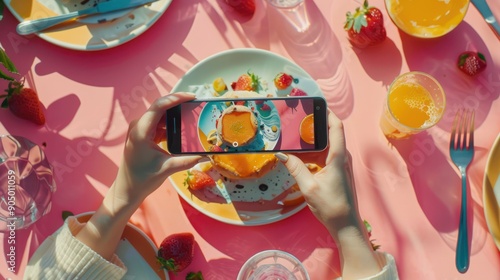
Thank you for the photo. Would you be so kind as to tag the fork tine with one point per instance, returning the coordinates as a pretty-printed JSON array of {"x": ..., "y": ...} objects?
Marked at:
[
  {"x": 454, "y": 130},
  {"x": 471, "y": 130},
  {"x": 463, "y": 129}
]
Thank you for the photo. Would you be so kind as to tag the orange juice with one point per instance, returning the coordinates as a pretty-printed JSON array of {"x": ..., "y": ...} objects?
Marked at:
[
  {"x": 412, "y": 105},
  {"x": 427, "y": 18},
  {"x": 415, "y": 102}
]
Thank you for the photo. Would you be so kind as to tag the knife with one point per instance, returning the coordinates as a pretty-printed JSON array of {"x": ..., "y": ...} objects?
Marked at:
[
  {"x": 32, "y": 26},
  {"x": 488, "y": 16}
]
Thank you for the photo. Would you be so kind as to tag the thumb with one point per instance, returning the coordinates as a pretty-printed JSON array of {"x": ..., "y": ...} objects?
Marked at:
[
  {"x": 298, "y": 170},
  {"x": 176, "y": 164}
]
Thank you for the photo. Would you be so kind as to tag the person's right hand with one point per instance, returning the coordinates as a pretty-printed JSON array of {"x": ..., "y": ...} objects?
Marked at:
[
  {"x": 329, "y": 192},
  {"x": 331, "y": 196}
]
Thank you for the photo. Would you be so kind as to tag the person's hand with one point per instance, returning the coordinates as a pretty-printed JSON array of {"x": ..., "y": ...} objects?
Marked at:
[
  {"x": 145, "y": 165},
  {"x": 329, "y": 192},
  {"x": 331, "y": 197}
]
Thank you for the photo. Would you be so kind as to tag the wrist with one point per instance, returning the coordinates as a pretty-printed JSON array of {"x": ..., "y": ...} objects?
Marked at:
[{"x": 358, "y": 258}]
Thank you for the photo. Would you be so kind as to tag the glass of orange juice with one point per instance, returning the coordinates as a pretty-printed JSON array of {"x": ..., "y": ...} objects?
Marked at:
[
  {"x": 415, "y": 102},
  {"x": 426, "y": 18}
]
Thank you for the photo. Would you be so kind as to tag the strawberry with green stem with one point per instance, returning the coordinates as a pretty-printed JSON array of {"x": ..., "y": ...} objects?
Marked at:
[
  {"x": 197, "y": 180},
  {"x": 283, "y": 80},
  {"x": 176, "y": 251},
  {"x": 365, "y": 27},
  {"x": 248, "y": 82},
  {"x": 471, "y": 63},
  {"x": 22, "y": 101}
]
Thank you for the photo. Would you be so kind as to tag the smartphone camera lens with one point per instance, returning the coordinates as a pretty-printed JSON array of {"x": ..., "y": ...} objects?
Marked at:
[{"x": 317, "y": 108}]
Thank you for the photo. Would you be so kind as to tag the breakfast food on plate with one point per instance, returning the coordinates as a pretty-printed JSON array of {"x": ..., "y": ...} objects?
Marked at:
[
  {"x": 282, "y": 80},
  {"x": 237, "y": 126},
  {"x": 365, "y": 27},
  {"x": 471, "y": 63},
  {"x": 243, "y": 166},
  {"x": 197, "y": 180},
  {"x": 248, "y": 81}
]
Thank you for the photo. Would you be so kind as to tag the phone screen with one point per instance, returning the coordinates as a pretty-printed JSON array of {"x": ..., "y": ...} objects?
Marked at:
[{"x": 247, "y": 125}]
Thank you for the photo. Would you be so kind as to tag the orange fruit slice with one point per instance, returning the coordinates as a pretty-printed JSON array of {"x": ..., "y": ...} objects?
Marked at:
[{"x": 307, "y": 129}]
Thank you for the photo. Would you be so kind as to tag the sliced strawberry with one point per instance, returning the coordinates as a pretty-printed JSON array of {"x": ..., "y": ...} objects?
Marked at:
[
  {"x": 265, "y": 107},
  {"x": 297, "y": 92},
  {"x": 176, "y": 251},
  {"x": 216, "y": 149},
  {"x": 365, "y": 27},
  {"x": 197, "y": 180},
  {"x": 283, "y": 80},
  {"x": 471, "y": 63},
  {"x": 248, "y": 81}
]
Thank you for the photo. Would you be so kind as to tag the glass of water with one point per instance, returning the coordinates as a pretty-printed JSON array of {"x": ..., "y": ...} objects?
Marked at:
[
  {"x": 294, "y": 12},
  {"x": 26, "y": 183},
  {"x": 273, "y": 265}
]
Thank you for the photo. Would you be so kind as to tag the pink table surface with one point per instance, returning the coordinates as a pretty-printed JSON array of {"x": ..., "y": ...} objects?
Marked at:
[{"x": 408, "y": 190}]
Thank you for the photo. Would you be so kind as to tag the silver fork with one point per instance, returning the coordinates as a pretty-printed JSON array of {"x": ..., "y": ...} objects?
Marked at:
[{"x": 462, "y": 152}]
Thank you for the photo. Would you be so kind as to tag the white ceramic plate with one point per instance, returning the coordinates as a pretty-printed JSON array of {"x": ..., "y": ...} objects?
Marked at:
[
  {"x": 88, "y": 34},
  {"x": 230, "y": 209},
  {"x": 491, "y": 192},
  {"x": 137, "y": 251}
]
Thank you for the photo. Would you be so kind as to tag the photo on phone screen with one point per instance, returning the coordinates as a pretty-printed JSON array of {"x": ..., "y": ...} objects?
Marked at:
[{"x": 291, "y": 124}]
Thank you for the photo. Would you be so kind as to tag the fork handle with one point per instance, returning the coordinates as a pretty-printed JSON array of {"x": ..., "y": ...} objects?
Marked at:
[{"x": 462, "y": 255}]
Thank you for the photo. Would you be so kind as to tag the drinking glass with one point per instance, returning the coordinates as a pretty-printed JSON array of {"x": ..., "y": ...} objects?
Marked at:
[
  {"x": 26, "y": 183},
  {"x": 415, "y": 102},
  {"x": 273, "y": 265},
  {"x": 294, "y": 12},
  {"x": 426, "y": 18}
]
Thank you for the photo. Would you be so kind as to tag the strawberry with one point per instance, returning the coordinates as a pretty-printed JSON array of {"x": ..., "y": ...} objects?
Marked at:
[
  {"x": 197, "y": 180},
  {"x": 194, "y": 276},
  {"x": 297, "y": 92},
  {"x": 365, "y": 27},
  {"x": 265, "y": 107},
  {"x": 369, "y": 230},
  {"x": 282, "y": 81},
  {"x": 244, "y": 7},
  {"x": 471, "y": 63},
  {"x": 215, "y": 149},
  {"x": 176, "y": 251},
  {"x": 24, "y": 103},
  {"x": 248, "y": 81}
]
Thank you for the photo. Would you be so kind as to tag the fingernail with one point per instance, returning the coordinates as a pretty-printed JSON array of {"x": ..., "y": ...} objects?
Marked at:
[{"x": 281, "y": 156}]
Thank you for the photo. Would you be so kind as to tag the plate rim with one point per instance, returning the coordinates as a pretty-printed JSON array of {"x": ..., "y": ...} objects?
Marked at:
[
  {"x": 175, "y": 88},
  {"x": 116, "y": 42},
  {"x": 133, "y": 227},
  {"x": 495, "y": 149}
]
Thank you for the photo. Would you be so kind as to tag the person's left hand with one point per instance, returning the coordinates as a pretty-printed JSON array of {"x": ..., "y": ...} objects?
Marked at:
[{"x": 145, "y": 165}]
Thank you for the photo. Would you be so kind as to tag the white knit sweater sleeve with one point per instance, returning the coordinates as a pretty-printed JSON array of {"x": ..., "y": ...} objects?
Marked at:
[
  {"x": 388, "y": 272},
  {"x": 62, "y": 256}
]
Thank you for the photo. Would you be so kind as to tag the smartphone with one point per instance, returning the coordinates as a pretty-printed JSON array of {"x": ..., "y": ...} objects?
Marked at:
[{"x": 247, "y": 125}]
